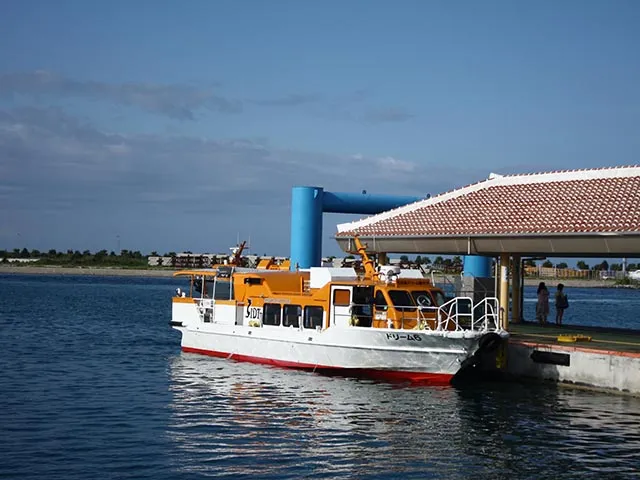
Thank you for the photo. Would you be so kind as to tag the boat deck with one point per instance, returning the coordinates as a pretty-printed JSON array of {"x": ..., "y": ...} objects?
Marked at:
[{"x": 615, "y": 341}]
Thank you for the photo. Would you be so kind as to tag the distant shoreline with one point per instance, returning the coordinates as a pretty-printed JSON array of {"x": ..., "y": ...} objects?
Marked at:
[
  {"x": 157, "y": 273},
  {"x": 96, "y": 271}
]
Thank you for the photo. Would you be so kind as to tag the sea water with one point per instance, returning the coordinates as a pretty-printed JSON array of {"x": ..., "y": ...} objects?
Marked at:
[{"x": 93, "y": 385}]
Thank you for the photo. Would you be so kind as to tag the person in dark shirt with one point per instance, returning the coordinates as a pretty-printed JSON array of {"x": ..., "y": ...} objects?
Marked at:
[{"x": 562, "y": 303}]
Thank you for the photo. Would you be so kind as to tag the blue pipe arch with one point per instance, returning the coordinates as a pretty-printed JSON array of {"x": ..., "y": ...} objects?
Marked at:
[{"x": 309, "y": 203}]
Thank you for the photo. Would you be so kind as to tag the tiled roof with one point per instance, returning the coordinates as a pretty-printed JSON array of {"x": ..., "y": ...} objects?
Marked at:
[{"x": 597, "y": 201}]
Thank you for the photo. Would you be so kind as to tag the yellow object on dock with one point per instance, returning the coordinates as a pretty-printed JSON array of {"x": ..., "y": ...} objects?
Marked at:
[{"x": 573, "y": 338}]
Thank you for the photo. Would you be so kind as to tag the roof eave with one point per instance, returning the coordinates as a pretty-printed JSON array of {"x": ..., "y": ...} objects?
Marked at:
[{"x": 587, "y": 244}]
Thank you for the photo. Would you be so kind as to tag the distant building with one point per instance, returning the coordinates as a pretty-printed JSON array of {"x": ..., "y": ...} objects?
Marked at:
[
  {"x": 20, "y": 260},
  {"x": 184, "y": 260}
]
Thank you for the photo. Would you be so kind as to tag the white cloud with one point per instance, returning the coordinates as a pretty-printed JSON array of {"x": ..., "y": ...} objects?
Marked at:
[
  {"x": 176, "y": 101},
  {"x": 170, "y": 189},
  {"x": 395, "y": 165},
  {"x": 185, "y": 102}
]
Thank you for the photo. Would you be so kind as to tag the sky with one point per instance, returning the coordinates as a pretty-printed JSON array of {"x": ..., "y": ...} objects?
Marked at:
[{"x": 173, "y": 126}]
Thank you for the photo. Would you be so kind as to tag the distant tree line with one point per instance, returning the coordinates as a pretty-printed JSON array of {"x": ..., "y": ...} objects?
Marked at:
[
  {"x": 129, "y": 258},
  {"x": 126, "y": 258},
  {"x": 455, "y": 264},
  {"x": 603, "y": 266}
]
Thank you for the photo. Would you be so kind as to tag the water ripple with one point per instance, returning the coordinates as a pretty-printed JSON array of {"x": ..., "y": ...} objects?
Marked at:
[{"x": 94, "y": 386}]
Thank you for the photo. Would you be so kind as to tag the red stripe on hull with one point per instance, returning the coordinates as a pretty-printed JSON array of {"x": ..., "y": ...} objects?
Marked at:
[{"x": 422, "y": 378}]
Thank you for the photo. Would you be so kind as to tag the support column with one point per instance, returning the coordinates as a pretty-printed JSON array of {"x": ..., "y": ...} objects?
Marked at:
[
  {"x": 309, "y": 203},
  {"x": 516, "y": 313},
  {"x": 522, "y": 269},
  {"x": 504, "y": 290},
  {"x": 306, "y": 227},
  {"x": 477, "y": 266},
  {"x": 383, "y": 259}
]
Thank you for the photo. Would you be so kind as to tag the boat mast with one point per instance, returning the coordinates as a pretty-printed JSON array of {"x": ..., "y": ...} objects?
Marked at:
[
  {"x": 370, "y": 272},
  {"x": 237, "y": 253}
]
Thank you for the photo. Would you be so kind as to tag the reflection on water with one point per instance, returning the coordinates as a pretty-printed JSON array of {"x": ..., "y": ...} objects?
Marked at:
[
  {"x": 231, "y": 418},
  {"x": 93, "y": 385}
]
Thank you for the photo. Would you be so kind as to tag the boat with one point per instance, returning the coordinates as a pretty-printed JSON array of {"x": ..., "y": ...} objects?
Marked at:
[
  {"x": 634, "y": 275},
  {"x": 381, "y": 322}
]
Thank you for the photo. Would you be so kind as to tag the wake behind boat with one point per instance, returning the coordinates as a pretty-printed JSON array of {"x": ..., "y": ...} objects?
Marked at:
[{"x": 385, "y": 323}]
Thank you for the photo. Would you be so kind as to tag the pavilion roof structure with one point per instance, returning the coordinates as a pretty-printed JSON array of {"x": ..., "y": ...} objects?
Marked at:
[{"x": 562, "y": 213}]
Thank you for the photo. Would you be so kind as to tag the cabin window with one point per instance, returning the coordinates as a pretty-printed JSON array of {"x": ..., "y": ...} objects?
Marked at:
[
  {"x": 271, "y": 314},
  {"x": 313, "y": 316},
  {"x": 223, "y": 290},
  {"x": 380, "y": 301},
  {"x": 401, "y": 300},
  {"x": 209, "y": 289},
  {"x": 203, "y": 288},
  {"x": 362, "y": 301},
  {"x": 342, "y": 297},
  {"x": 422, "y": 298},
  {"x": 440, "y": 300},
  {"x": 292, "y": 314}
]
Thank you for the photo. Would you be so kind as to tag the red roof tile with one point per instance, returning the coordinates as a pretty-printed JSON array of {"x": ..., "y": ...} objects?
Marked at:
[{"x": 578, "y": 201}]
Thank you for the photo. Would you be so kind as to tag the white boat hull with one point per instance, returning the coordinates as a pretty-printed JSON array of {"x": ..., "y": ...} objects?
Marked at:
[{"x": 411, "y": 355}]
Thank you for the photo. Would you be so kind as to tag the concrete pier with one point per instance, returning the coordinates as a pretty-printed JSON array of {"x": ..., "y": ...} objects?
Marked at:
[{"x": 607, "y": 359}]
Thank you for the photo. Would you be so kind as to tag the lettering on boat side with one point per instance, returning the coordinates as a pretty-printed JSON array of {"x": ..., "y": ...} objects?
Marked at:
[
  {"x": 252, "y": 313},
  {"x": 408, "y": 336}
]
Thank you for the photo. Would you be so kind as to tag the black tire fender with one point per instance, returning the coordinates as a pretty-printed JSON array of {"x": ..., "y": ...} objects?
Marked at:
[{"x": 489, "y": 342}]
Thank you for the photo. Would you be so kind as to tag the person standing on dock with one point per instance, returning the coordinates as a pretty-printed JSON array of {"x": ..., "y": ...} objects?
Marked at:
[
  {"x": 562, "y": 303},
  {"x": 542, "y": 307}
]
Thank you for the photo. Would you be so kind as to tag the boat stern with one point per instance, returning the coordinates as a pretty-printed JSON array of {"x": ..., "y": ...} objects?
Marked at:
[{"x": 184, "y": 311}]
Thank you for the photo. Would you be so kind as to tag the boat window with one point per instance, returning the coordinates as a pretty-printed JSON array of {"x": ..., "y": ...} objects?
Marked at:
[
  {"x": 422, "y": 298},
  {"x": 363, "y": 300},
  {"x": 313, "y": 316},
  {"x": 222, "y": 291},
  {"x": 271, "y": 314},
  {"x": 440, "y": 299},
  {"x": 401, "y": 300},
  {"x": 197, "y": 287},
  {"x": 342, "y": 297},
  {"x": 292, "y": 314},
  {"x": 380, "y": 301}
]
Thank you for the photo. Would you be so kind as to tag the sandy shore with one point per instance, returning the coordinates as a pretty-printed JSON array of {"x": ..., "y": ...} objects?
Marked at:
[{"x": 130, "y": 272}]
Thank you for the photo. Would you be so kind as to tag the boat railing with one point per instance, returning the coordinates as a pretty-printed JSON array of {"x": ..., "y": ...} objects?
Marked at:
[
  {"x": 408, "y": 314},
  {"x": 456, "y": 314},
  {"x": 450, "y": 284},
  {"x": 421, "y": 317},
  {"x": 459, "y": 313},
  {"x": 487, "y": 312}
]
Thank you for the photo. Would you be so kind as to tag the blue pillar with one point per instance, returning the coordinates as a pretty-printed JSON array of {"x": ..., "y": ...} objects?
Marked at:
[
  {"x": 309, "y": 203},
  {"x": 306, "y": 227},
  {"x": 363, "y": 203},
  {"x": 477, "y": 266}
]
